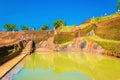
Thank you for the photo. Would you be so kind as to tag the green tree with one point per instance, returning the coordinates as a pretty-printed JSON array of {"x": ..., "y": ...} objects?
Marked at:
[
  {"x": 59, "y": 23},
  {"x": 45, "y": 27},
  {"x": 118, "y": 5},
  {"x": 34, "y": 28},
  {"x": 23, "y": 27},
  {"x": 10, "y": 27},
  {"x": 16, "y": 29}
]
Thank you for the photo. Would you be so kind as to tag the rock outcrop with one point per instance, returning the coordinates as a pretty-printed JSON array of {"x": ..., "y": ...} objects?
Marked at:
[
  {"x": 30, "y": 48},
  {"x": 80, "y": 45},
  {"x": 46, "y": 46},
  {"x": 8, "y": 52},
  {"x": 77, "y": 45}
]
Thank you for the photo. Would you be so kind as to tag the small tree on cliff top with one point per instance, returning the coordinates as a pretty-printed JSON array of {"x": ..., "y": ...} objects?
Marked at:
[
  {"x": 23, "y": 27},
  {"x": 10, "y": 27},
  {"x": 45, "y": 27},
  {"x": 118, "y": 5},
  {"x": 59, "y": 23}
]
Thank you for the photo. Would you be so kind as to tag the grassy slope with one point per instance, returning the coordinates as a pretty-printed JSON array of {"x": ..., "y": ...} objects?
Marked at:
[
  {"x": 96, "y": 38},
  {"x": 107, "y": 34},
  {"x": 105, "y": 43},
  {"x": 67, "y": 28},
  {"x": 65, "y": 36},
  {"x": 104, "y": 18},
  {"x": 98, "y": 20},
  {"x": 62, "y": 38},
  {"x": 107, "y": 30}
]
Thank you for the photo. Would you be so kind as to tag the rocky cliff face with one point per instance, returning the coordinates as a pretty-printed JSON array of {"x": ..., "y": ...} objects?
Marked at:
[
  {"x": 80, "y": 45},
  {"x": 7, "y": 52},
  {"x": 77, "y": 45},
  {"x": 47, "y": 45}
]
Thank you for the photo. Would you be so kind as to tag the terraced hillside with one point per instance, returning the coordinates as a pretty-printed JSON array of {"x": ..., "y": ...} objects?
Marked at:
[
  {"x": 96, "y": 35},
  {"x": 105, "y": 31}
]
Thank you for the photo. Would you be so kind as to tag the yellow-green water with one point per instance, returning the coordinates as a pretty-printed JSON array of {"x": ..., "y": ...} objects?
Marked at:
[{"x": 69, "y": 66}]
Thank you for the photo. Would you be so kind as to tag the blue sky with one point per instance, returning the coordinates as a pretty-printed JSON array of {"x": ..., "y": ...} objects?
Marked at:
[{"x": 35, "y": 13}]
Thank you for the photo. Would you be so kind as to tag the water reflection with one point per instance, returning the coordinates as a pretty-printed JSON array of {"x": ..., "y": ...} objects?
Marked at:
[
  {"x": 69, "y": 66},
  {"x": 14, "y": 71},
  {"x": 10, "y": 75}
]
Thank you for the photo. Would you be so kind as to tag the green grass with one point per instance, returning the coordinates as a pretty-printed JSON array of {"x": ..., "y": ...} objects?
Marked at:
[
  {"x": 109, "y": 31},
  {"x": 67, "y": 28},
  {"x": 104, "y": 18},
  {"x": 66, "y": 44},
  {"x": 63, "y": 38},
  {"x": 106, "y": 44},
  {"x": 82, "y": 26},
  {"x": 98, "y": 20},
  {"x": 98, "y": 39}
]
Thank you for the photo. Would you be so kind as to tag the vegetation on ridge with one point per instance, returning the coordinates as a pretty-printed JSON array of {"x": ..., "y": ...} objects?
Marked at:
[
  {"x": 10, "y": 27},
  {"x": 59, "y": 23},
  {"x": 23, "y": 27},
  {"x": 45, "y": 27},
  {"x": 118, "y": 5},
  {"x": 98, "y": 20}
]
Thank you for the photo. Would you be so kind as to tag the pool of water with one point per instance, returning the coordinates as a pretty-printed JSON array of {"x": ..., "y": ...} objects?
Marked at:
[{"x": 66, "y": 66}]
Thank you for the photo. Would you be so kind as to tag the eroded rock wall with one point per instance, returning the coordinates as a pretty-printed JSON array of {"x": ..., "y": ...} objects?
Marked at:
[
  {"x": 80, "y": 45},
  {"x": 77, "y": 45},
  {"x": 8, "y": 52}
]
